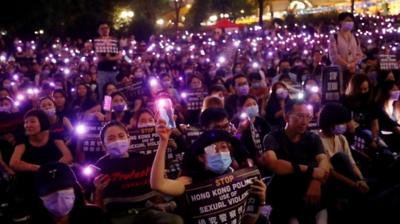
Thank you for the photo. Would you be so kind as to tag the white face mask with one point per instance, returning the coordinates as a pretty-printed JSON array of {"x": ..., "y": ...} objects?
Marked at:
[
  {"x": 59, "y": 203},
  {"x": 118, "y": 148},
  {"x": 146, "y": 125},
  {"x": 51, "y": 112}
]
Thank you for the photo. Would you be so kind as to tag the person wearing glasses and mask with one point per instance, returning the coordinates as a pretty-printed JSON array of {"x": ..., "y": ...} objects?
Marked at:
[{"x": 300, "y": 165}]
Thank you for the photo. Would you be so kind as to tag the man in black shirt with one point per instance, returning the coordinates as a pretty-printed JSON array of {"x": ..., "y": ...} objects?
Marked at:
[
  {"x": 297, "y": 158},
  {"x": 108, "y": 56}
]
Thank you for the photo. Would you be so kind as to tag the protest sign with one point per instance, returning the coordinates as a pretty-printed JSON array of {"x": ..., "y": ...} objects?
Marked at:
[
  {"x": 145, "y": 141},
  {"x": 90, "y": 142},
  {"x": 388, "y": 62},
  {"x": 194, "y": 99},
  {"x": 191, "y": 133},
  {"x": 332, "y": 84},
  {"x": 224, "y": 199},
  {"x": 129, "y": 178},
  {"x": 106, "y": 45}
]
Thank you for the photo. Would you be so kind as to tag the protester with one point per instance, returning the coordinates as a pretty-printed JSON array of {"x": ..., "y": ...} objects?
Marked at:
[
  {"x": 62, "y": 198},
  {"x": 301, "y": 167},
  {"x": 126, "y": 200}
]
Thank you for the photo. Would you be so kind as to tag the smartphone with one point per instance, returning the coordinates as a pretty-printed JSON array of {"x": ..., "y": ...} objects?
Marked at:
[
  {"x": 91, "y": 171},
  {"x": 166, "y": 111},
  {"x": 107, "y": 103}
]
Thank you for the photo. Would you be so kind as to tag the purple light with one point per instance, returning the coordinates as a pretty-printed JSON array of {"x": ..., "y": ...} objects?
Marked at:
[
  {"x": 20, "y": 97},
  {"x": 88, "y": 171},
  {"x": 183, "y": 95},
  {"x": 243, "y": 115},
  {"x": 15, "y": 77},
  {"x": 314, "y": 89},
  {"x": 153, "y": 82},
  {"x": 80, "y": 129}
]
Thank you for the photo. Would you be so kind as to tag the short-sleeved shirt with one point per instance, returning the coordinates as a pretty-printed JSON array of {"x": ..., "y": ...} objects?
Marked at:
[
  {"x": 288, "y": 190},
  {"x": 302, "y": 152}
]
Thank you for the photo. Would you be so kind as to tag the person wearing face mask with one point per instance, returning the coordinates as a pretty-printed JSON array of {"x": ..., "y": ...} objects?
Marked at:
[
  {"x": 258, "y": 88},
  {"x": 387, "y": 99},
  {"x": 333, "y": 121},
  {"x": 274, "y": 109},
  {"x": 210, "y": 156},
  {"x": 145, "y": 119},
  {"x": 241, "y": 88},
  {"x": 284, "y": 72},
  {"x": 251, "y": 127},
  {"x": 119, "y": 108},
  {"x": 196, "y": 94},
  {"x": 123, "y": 175},
  {"x": 364, "y": 111},
  {"x": 38, "y": 147},
  {"x": 344, "y": 48},
  {"x": 62, "y": 200},
  {"x": 59, "y": 125}
]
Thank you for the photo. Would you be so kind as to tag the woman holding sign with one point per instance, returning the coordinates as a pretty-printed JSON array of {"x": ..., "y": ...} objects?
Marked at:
[
  {"x": 122, "y": 182},
  {"x": 209, "y": 158}
]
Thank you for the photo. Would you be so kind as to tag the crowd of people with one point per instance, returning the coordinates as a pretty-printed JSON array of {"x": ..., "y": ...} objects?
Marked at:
[{"x": 74, "y": 113}]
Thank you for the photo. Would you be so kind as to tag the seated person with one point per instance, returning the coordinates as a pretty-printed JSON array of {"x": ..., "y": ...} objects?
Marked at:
[
  {"x": 332, "y": 121},
  {"x": 62, "y": 198},
  {"x": 123, "y": 188},
  {"x": 200, "y": 165},
  {"x": 301, "y": 167}
]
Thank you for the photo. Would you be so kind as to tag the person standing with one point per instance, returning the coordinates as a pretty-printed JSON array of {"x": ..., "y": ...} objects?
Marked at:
[
  {"x": 108, "y": 57},
  {"x": 344, "y": 48}
]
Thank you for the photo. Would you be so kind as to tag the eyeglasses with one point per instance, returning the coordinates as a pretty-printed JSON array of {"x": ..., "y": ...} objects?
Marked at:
[{"x": 303, "y": 116}]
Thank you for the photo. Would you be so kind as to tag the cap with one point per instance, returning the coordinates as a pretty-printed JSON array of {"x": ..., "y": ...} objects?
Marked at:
[{"x": 54, "y": 176}]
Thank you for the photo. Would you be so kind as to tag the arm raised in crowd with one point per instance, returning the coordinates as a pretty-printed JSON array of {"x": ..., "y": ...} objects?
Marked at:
[
  {"x": 158, "y": 180},
  {"x": 19, "y": 165}
]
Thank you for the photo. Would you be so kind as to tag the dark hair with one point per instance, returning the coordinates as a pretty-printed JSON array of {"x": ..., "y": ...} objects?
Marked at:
[
  {"x": 111, "y": 124},
  {"x": 282, "y": 61},
  {"x": 384, "y": 90},
  {"x": 243, "y": 99},
  {"x": 211, "y": 115},
  {"x": 342, "y": 16},
  {"x": 217, "y": 88},
  {"x": 47, "y": 98},
  {"x": 60, "y": 91},
  {"x": 237, "y": 77},
  {"x": 255, "y": 76},
  {"x": 41, "y": 116},
  {"x": 140, "y": 112},
  {"x": 105, "y": 87},
  {"x": 332, "y": 114},
  {"x": 118, "y": 94},
  {"x": 194, "y": 76},
  {"x": 355, "y": 83},
  {"x": 291, "y": 103}
]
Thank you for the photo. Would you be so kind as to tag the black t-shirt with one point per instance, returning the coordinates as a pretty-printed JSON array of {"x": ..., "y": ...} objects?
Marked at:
[
  {"x": 302, "y": 152},
  {"x": 129, "y": 181},
  {"x": 39, "y": 156},
  {"x": 288, "y": 190},
  {"x": 362, "y": 111}
]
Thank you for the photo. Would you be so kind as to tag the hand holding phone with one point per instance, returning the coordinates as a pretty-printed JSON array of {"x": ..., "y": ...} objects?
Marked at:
[
  {"x": 166, "y": 111},
  {"x": 107, "y": 103}
]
